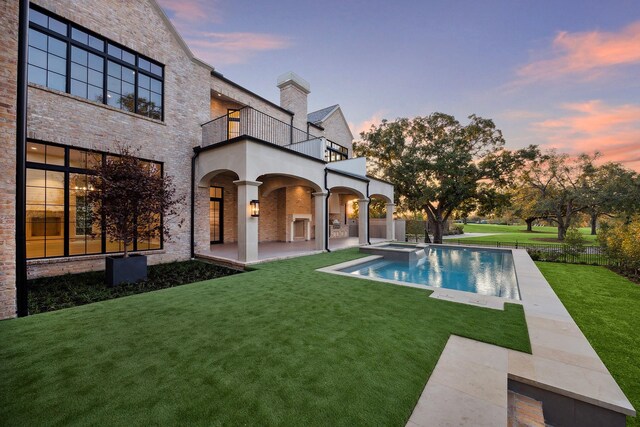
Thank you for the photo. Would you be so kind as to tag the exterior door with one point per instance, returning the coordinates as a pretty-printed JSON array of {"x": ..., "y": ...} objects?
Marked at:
[
  {"x": 233, "y": 125},
  {"x": 216, "y": 209}
]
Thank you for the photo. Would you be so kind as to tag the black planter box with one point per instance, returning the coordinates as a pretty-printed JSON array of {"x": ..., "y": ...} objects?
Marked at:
[{"x": 125, "y": 270}]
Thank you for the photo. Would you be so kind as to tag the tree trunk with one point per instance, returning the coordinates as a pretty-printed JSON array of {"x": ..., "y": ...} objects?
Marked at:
[
  {"x": 561, "y": 231},
  {"x": 438, "y": 232},
  {"x": 426, "y": 232},
  {"x": 529, "y": 222},
  {"x": 594, "y": 221}
]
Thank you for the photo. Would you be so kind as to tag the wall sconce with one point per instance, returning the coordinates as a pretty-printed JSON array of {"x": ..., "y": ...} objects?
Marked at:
[{"x": 254, "y": 208}]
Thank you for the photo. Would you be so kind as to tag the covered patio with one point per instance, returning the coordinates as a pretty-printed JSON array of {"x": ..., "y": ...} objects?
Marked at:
[{"x": 228, "y": 252}]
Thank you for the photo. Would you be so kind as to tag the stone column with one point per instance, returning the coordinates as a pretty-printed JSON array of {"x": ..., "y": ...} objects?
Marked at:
[
  {"x": 363, "y": 220},
  {"x": 247, "y": 225},
  {"x": 320, "y": 201},
  {"x": 391, "y": 230}
]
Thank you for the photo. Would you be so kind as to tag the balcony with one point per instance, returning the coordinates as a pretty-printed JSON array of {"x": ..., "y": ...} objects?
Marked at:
[{"x": 249, "y": 122}]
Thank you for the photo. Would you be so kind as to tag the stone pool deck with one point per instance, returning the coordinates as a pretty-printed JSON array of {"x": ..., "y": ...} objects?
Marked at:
[{"x": 469, "y": 385}]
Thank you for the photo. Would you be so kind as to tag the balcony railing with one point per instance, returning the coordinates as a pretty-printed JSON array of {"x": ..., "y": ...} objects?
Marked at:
[{"x": 250, "y": 122}]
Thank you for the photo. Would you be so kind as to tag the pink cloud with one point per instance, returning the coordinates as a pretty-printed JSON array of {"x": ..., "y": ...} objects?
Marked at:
[
  {"x": 193, "y": 18},
  {"x": 595, "y": 126},
  {"x": 365, "y": 125},
  {"x": 585, "y": 54},
  {"x": 234, "y": 48},
  {"x": 185, "y": 13}
]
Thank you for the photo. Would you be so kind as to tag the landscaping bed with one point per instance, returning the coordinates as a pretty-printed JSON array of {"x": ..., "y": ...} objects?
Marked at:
[{"x": 70, "y": 290}]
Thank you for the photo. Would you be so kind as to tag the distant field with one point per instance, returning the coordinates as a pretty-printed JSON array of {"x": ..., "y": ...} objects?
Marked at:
[{"x": 518, "y": 233}]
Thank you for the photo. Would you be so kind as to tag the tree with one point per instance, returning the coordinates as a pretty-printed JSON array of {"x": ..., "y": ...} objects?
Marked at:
[
  {"x": 526, "y": 199},
  {"x": 377, "y": 209},
  {"x": 133, "y": 197},
  {"x": 554, "y": 180},
  {"x": 607, "y": 190},
  {"x": 439, "y": 165}
]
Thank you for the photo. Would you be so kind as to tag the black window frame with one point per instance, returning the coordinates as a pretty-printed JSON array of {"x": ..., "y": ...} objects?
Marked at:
[
  {"x": 335, "y": 152},
  {"x": 68, "y": 170},
  {"x": 70, "y": 41}
]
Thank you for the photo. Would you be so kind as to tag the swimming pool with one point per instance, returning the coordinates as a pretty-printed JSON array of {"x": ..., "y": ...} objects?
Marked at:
[{"x": 481, "y": 271}]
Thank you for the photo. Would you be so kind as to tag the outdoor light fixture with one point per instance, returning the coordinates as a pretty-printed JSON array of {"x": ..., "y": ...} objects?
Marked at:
[{"x": 254, "y": 207}]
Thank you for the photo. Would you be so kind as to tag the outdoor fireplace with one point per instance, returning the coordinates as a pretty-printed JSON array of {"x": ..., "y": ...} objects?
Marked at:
[{"x": 299, "y": 227}]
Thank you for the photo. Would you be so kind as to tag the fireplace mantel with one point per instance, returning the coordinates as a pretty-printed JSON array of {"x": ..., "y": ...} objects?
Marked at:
[{"x": 307, "y": 226}]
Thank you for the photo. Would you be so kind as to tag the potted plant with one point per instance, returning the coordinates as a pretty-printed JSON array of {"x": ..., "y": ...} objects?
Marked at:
[{"x": 136, "y": 202}]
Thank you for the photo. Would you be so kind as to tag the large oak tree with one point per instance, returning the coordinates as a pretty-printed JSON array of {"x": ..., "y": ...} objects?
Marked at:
[{"x": 438, "y": 164}]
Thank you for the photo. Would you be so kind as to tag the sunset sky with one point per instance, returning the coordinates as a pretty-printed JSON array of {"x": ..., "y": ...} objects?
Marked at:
[{"x": 563, "y": 74}]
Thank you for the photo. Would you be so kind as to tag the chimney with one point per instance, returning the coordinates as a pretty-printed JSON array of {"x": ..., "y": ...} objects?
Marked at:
[{"x": 293, "y": 96}]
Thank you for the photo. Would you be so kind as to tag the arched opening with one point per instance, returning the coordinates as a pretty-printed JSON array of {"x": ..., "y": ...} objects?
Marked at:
[
  {"x": 274, "y": 216},
  {"x": 223, "y": 208},
  {"x": 288, "y": 222},
  {"x": 346, "y": 222},
  {"x": 381, "y": 222}
]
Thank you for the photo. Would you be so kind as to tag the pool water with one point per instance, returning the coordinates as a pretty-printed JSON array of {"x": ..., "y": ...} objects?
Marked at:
[{"x": 481, "y": 271}]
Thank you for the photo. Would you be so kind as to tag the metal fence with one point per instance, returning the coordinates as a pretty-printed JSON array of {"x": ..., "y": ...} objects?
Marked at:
[{"x": 556, "y": 252}]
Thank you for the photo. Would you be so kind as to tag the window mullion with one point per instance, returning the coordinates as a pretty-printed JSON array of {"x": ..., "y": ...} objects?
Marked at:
[{"x": 66, "y": 215}]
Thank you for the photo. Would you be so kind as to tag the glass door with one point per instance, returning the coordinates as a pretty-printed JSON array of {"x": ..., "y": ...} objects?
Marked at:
[
  {"x": 216, "y": 209},
  {"x": 233, "y": 128}
]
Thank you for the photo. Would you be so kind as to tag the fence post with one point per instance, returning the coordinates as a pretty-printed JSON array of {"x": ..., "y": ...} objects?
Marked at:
[{"x": 516, "y": 244}]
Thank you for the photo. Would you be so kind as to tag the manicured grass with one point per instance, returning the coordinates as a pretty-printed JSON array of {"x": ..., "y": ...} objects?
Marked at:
[
  {"x": 606, "y": 306},
  {"x": 518, "y": 233},
  {"x": 55, "y": 293},
  {"x": 281, "y": 345}
]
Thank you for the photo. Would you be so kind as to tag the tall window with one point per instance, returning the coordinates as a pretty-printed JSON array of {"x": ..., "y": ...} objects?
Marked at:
[
  {"x": 60, "y": 222},
  {"x": 66, "y": 57},
  {"x": 335, "y": 152}
]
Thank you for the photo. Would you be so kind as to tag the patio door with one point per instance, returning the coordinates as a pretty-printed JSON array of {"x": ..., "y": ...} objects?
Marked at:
[
  {"x": 216, "y": 209},
  {"x": 233, "y": 125}
]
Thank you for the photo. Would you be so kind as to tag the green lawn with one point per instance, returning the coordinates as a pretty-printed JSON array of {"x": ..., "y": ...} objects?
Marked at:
[
  {"x": 517, "y": 233},
  {"x": 282, "y": 345},
  {"x": 606, "y": 306}
]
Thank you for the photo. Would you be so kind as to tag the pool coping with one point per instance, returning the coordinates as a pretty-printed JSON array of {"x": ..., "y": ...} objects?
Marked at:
[{"x": 562, "y": 360}]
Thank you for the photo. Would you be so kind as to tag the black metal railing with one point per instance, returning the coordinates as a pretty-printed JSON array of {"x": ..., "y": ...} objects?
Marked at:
[
  {"x": 248, "y": 121},
  {"x": 556, "y": 252}
]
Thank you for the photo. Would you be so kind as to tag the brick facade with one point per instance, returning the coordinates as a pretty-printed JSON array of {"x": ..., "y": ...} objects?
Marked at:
[
  {"x": 8, "y": 93},
  {"x": 294, "y": 99},
  {"x": 337, "y": 130},
  {"x": 193, "y": 95},
  {"x": 59, "y": 117}
]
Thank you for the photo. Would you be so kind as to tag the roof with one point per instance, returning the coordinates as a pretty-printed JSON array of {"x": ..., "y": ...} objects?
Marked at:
[
  {"x": 177, "y": 35},
  {"x": 320, "y": 115}
]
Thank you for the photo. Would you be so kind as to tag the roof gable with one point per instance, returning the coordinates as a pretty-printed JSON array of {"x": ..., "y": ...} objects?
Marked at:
[
  {"x": 177, "y": 35},
  {"x": 321, "y": 115}
]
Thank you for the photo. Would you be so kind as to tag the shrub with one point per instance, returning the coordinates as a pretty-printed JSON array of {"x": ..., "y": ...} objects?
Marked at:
[
  {"x": 574, "y": 242},
  {"x": 455, "y": 229},
  {"x": 70, "y": 290},
  {"x": 621, "y": 243},
  {"x": 544, "y": 255}
]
